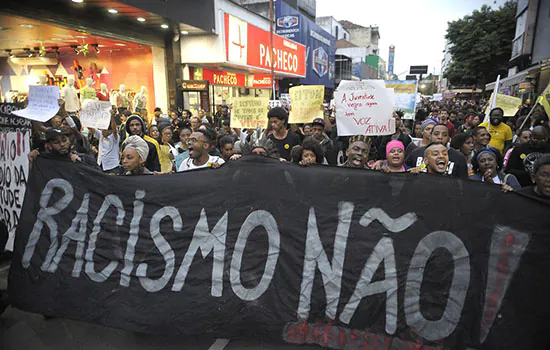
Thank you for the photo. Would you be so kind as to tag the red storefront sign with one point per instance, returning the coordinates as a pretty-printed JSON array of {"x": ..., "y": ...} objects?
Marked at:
[
  {"x": 248, "y": 45},
  {"x": 261, "y": 81},
  {"x": 216, "y": 77}
]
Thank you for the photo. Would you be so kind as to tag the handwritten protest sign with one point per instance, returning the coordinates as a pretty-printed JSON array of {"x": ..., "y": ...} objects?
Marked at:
[
  {"x": 544, "y": 99},
  {"x": 285, "y": 98},
  {"x": 275, "y": 103},
  {"x": 509, "y": 104},
  {"x": 405, "y": 96},
  {"x": 96, "y": 114},
  {"x": 366, "y": 111},
  {"x": 14, "y": 172},
  {"x": 306, "y": 103},
  {"x": 249, "y": 112},
  {"x": 43, "y": 103}
]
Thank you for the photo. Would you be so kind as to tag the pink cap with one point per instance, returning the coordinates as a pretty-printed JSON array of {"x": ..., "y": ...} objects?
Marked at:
[{"x": 394, "y": 144}]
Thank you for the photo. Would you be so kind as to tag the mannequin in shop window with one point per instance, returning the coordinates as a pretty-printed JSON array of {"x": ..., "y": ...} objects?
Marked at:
[
  {"x": 123, "y": 102},
  {"x": 103, "y": 93},
  {"x": 43, "y": 80},
  {"x": 140, "y": 100},
  {"x": 88, "y": 92},
  {"x": 70, "y": 96}
]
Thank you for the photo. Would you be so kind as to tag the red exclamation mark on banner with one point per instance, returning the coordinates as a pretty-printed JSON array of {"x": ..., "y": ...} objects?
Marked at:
[
  {"x": 507, "y": 247},
  {"x": 19, "y": 143}
]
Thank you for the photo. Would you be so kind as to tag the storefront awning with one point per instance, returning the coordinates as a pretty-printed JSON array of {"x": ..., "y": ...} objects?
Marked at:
[{"x": 509, "y": 81}]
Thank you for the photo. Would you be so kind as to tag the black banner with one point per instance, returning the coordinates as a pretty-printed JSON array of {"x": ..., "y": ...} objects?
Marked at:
[{"x": 343, "y": 258}]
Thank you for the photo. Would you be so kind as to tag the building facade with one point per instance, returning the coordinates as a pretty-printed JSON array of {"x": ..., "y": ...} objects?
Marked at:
[
  {"x": 332, "y": 26},
  {"x": 530, "y": 62}
]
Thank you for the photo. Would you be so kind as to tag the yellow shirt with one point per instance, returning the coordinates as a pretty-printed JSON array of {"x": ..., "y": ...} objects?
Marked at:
[{"x": 499, "y": 135}]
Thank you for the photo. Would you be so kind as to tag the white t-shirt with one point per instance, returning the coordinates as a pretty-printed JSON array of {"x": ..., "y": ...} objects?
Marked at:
[
  {"x": 187, "y": 164},
  {"x": 109, "y": 151}
]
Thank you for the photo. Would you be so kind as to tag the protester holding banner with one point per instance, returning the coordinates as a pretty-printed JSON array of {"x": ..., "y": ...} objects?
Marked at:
[
  {"x": 457, "y": 166},
  {"x": 436, "y": 158},
  {"x": 199, "y": 144},
  {"x": 283, "y": 138},
  {"x": 524, "y": 156},
  {"x": 381, "y": 141},
  {"x": 395, "y": 157},
  {"x": 358, "y": 152},
  {"x": 501, "y": 133},
  {"x": 541, "y": 180},
  {"x": 136, "y": 126},
  {"x": 134, "y": 156},
  {"x": 226, "y": 144},
  {"x": 487, "y": 167}
]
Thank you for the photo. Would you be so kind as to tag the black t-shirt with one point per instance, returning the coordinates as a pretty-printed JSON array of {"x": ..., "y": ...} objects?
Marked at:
[
  {"x": 285, "y": 145},
  {"x": 522, "y": 160},
  {"x": 457, "y": 162},
  {"x": 530, "y": 192}
]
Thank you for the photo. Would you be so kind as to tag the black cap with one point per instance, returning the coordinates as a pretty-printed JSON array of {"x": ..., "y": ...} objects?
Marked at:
[
  {"x": 53, "y": 132},
  {"x": 318, "y": 121}
]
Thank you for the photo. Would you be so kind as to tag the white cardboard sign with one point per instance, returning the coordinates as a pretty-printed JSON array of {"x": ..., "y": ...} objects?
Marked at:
[
  {"x": 43, "y": 103},
  {"x": 364, "y": 109},
  {"x": 96, "y": 114}
]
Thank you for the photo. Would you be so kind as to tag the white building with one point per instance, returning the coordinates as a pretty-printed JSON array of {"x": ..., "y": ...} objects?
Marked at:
[
  {"x": 332, "y": 26},
  {"x": 447, "y": 58}
]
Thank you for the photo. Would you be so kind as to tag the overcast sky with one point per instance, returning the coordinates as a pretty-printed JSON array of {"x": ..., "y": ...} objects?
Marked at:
[{"x": 416, "y": 27}]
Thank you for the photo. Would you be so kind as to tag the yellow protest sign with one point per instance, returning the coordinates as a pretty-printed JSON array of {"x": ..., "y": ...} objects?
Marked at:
[
  {"x": 306, "y": 103},
  {"x": 509, "y": 104},
  {"x": 545, "y": 99},
  {"x": 249, "y": 112}
]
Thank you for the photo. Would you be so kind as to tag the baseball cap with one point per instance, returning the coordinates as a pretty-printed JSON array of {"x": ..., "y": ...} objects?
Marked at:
[
  {"x": 318, "y": 121},
  {"x": 53, "y": 132}
]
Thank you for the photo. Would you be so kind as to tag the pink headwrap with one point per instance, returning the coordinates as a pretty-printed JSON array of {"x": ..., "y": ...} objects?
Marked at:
[{"x": 394, "y": 144}]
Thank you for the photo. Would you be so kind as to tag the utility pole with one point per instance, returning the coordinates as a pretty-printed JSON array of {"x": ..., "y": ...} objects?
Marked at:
[{"x": 271, "y": 48}]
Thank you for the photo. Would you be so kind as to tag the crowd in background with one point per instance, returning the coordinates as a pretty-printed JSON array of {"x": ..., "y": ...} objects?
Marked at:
[{"x": 446, "y": 137}]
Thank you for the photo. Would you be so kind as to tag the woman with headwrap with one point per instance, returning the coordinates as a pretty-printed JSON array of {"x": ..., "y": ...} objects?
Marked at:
[
  {"x": 487, "y": 164},
  {"x": 134, "y": 155}
]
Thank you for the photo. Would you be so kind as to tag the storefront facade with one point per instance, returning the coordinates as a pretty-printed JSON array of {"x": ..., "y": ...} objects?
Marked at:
[
  {"x": 320, "y": 45},
  {"x": 117, "y": 44},
  {"x": 238, "y": 60}
]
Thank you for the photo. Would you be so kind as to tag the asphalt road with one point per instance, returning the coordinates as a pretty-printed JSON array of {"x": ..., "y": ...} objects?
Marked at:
[{"x": 21, "y": 330}]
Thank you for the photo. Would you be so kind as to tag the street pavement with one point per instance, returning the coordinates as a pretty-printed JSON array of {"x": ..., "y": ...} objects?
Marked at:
[{"x": 21, "y": 330}]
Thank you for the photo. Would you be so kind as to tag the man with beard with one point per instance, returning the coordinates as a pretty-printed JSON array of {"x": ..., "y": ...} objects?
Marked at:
[
  {"x": 283, "y": 138},
  {"x": 501, "y": 134},
  {"x": 318, "y": 134},
  {"x": 199, "y": 144},
  {"x": 136, "y": 126},
  {"x": 541, "y": 178},
  {"x": 523, "y": 157},
  {"x": 436, "y": 158},
  {"x": 358, "y": 152},
  {"x": 457, "y": 166}
]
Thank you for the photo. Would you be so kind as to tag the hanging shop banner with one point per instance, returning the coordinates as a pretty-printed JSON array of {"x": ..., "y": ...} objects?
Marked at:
[
  {"x": 361, "y": 262},
  {"x": 249, "y": 112},
  {"x": 247, "y": 45},
  {"x": 306, "y": 103},
  {"x": 216, "y": 77},
  {"x": 14, "y": 169},
  {"x": 262, "y": 81},
  {"x": 195, "y": 85},
  {"x": 364, "y": 108},
  {"x": 43, "y": 103},
  {"x": 96, "y": 114},
  {"x": 320, "y": 45},
  {"x": 405, "y": 96}
]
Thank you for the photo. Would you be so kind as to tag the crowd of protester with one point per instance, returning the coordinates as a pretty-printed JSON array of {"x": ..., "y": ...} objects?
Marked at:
[{"x": 446, "y": 137}]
